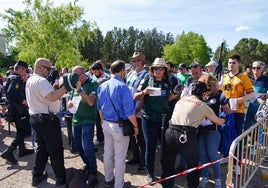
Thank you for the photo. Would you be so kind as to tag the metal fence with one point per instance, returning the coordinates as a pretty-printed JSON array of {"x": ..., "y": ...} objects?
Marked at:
[{"x": 247, "y": 153}]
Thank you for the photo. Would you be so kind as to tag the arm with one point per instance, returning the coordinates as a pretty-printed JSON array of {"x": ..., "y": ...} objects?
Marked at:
[
  {"x": 248, "y": 96},
  {"x": 217, "y": 120},
  {"x": 89, "y": 99},
  {"x": 133, "y": 120},
  {"x": 56, "y": 94}
]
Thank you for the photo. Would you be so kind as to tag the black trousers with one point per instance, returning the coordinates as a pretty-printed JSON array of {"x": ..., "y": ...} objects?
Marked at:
[
  {"x": 189, "y": 151},
  {"x": 49, "y": 142},
  {"x": 21, "y": 116}
]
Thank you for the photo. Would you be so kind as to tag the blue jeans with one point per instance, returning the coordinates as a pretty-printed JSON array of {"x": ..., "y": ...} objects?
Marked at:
[
  {"x": 83, "y": 140},
  {"x": 208, "y": 151},
  {"x": 152, "y": 133}
]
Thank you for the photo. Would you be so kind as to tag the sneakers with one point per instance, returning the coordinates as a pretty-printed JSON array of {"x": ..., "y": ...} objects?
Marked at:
[
  {"x": 237, "y": 169},
  {"x": 108, "y": 184},
  {"x": 217, "y": 183},
  {"x": 133, "y": 161},
  {"x": 38, "y": 179},
  {"x": 203, "y": 182}
]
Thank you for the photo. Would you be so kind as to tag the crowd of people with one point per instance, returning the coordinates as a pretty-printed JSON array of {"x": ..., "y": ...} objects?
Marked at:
[{"x": 176, "y": 109}]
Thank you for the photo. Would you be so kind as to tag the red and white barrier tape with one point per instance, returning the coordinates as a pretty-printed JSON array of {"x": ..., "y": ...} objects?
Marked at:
[{"x": 184, "y": 172}]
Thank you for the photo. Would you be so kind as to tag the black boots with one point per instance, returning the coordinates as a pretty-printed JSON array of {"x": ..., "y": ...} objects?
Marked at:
[
  {"x": 8, "y": 154},
  {"x": 23, "y": 151}
]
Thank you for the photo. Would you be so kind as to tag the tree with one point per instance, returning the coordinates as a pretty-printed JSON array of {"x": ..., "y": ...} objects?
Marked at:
[
  {"x": 44, "y": 31},
  {"x": 251, "y": 50},
  {"x": 188, "y": 48}
]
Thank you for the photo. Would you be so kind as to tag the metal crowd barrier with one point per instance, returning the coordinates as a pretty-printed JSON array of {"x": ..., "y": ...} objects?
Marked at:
[{"x": 248, "y": 151}]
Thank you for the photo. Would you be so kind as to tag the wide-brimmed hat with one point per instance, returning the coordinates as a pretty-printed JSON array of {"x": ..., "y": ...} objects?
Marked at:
[
  {"x": 159, "y": 62},
  {"x": 139, "y": 56}
]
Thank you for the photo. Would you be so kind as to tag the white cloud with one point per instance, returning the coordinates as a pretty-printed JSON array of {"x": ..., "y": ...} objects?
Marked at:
[{"x": 242, "y": 28}]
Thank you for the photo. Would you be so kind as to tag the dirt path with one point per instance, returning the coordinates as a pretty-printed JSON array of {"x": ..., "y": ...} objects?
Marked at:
[{"x": 20, "y": 175}]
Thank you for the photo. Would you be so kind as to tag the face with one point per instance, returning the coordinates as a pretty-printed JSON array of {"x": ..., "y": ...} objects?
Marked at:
[
  {"x": 22, "y": 71},
  {"x": 136, "y": 64},
  {"x": 97, "y": 73},
  {"x": 81, "y": 75},
  {"x": 158, "y": 72},
  {"x": 233, "y": 65},
  {"x": 46, "y": 68},
  {"x": 257, "y": 70},
  {"x": 196, "y": 72}
]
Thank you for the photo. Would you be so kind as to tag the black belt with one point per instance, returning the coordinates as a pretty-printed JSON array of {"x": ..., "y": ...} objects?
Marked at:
[
  {"x": 181, "y": 128},
  {"x": 211, "y": 127},
  {"x": 112, "y": 121}
]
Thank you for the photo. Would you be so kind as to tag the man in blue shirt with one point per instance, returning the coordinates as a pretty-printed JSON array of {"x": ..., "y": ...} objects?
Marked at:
[{"x": 114, "y": 102}]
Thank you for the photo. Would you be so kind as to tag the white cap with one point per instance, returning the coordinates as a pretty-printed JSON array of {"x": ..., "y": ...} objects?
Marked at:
[{"x": 211, "y": 63}]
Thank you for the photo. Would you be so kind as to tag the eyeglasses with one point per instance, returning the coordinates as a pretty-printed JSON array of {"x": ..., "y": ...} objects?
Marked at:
[
  {"x": 256, "y": 68},
  {"x": 48, "y": 68},
  {"x": 159, "y": 68}
]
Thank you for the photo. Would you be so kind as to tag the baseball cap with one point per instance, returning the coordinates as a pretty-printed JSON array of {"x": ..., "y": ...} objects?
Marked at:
[{"x": 212, "y": 63}]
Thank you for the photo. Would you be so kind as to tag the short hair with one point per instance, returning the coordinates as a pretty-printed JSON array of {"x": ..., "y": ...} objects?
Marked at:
[
  {"x": 170, "y": 64},
  {"x": 198, "y": 89},
  {"x": 117, "y": 66},
  {"x": 96, "y": 66},
  {"x": 235, "y": 56}
]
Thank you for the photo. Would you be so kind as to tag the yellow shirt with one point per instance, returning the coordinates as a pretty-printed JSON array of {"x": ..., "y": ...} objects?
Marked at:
[{"x": 235, "y": 87}]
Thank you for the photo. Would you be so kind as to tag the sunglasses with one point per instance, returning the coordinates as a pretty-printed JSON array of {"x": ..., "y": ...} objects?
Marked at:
[
  {"x": 48, "y": 68},
  {"x": 256, "y": 68},
  {"x": 159, "y": 68},
  {"x": 134, "y": 61}
]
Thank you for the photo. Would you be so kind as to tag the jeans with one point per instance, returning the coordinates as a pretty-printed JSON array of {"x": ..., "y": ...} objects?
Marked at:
[
  {"x": 83, "y": 140},
  {"x": 208, "y": 152},
  {"x": 152, "y": 134},
  {"x": 239, "y": 121},
  {"x": 100, "y": 136}
]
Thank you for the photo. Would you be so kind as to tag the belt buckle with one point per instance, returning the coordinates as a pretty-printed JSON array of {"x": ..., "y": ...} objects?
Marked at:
[{"x": 183, "y": 137}]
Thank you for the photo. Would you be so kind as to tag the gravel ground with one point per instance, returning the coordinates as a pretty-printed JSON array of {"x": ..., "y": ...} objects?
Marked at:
[{"x": 20, "y": 175}]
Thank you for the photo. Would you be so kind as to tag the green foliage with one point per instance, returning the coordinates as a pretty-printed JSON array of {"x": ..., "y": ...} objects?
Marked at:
[{"x": 188, "y": 48}]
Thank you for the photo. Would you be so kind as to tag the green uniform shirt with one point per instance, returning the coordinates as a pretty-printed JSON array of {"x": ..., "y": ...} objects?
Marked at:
[
  {"x": 154, "y": 106},
  {"x": 85, "y": 114}
]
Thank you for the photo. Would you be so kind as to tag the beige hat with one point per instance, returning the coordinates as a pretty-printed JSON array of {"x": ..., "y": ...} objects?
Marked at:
[
  {"x": 138, "y": 56},
  {"x": 212, "y": 63},
  {"x": 159, "y": 62}
]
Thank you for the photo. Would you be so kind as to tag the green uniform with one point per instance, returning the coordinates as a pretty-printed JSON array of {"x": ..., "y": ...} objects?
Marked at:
[
  {"x": 154, "y": 106},
  {"x": 85, "y": 114}
]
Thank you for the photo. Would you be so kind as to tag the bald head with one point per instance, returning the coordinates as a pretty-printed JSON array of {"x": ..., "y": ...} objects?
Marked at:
[{"x": 42, "y": 67}]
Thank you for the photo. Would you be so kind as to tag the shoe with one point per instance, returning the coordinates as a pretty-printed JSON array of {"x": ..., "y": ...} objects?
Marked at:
[
  {"x": 96, "y": 143},
  {"x": 237, "y": 169},
  {"x": 150, "y": 179},
  {"x": 60, "y": 181},
  {"x": 108, "y": 183},
  {"x": 23, "y": 151},
  {"x": 217, "y": 183},
  {"x": 133, "y": 161},
  {"x": 8, "y": 155},
  {"x": 38, "y": 179},
  {"x": 203, "y": 182},
  {"x": 141, "y": 168}
]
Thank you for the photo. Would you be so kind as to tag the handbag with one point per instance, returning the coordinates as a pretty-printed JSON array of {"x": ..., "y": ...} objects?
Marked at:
[{"x": 127, "y": 127}]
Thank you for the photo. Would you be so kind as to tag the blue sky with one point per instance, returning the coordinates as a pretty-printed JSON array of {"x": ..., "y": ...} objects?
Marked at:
[{"x": 214, "y": 19}]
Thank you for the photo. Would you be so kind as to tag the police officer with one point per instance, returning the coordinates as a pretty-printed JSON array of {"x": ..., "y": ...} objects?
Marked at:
[{"x": 17, "y": 111}]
